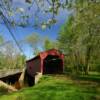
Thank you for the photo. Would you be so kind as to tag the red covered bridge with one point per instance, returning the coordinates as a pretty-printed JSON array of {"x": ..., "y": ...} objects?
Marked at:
[{"x": 47, "y": 62}]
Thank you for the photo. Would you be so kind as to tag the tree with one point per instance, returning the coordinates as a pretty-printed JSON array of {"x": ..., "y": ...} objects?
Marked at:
[
  {"x": 36, "y": 51},
  {"x": 38, "y": 44},
  {"x": 81, "y": 35},
  {"x": 10, "y": 57},
  {"x": 1, "y": 55},
  {"x": 88, "y": 28},
  {"x": 66, "y": 40},
  {"x": 41, "y": 8},
  {"x": 20, "y": 61},
  {"x": 34, "y": 41},
  {"x": 1, "y": 39},
  {"x": 49, "y": 44}
]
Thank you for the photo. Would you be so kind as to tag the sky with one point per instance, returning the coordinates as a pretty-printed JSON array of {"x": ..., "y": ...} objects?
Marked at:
[{"x": 21, "y": 33}]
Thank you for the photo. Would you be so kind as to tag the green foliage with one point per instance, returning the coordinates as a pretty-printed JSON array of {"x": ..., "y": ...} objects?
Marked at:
[
  {"x": 49, "y": 44},
  {"x": 80, "y": 36},
  {"x": 1, "y": 39},
  {"x": 20, "y": 61},
  {"x": 36, "y": 51},
  {"x": 10, "y": 57},
  {"x": 66, "y": 36},
  {"x": 33, "y": 40}
]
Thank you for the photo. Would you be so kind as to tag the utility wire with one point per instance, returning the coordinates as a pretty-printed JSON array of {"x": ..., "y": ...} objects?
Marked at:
[{"x": 6, "y": 21}]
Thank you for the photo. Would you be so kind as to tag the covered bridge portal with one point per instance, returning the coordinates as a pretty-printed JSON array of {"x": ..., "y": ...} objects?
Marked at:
[{"x": 48, "y": 62}]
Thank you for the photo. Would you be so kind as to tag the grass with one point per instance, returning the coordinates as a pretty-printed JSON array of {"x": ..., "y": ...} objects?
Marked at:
[
  {"x": 57, "y": 87},
  {"x": 92, "y": 76},
  {"x": 89, "y": 78},
  {"x": 3, "y": 90}
]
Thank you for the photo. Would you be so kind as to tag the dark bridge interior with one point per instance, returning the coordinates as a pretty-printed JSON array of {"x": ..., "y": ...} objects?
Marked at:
[
  {"x": 11, "y": 79},
  {"x": 52, "y": 65}
]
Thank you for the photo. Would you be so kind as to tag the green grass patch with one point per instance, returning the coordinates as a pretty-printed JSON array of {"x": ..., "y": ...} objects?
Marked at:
[
  {"x": 3, "y": 90},
  {"x": 56, "y": 88},
  {"x": 90, "y": 77}
]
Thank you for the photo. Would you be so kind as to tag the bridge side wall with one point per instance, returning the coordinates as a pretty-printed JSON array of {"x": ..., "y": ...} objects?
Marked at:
[{"x": 34, "y": 66}]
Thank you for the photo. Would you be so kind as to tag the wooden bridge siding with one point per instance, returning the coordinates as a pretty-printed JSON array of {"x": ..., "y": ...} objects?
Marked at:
[{"x": 34, "y": 66}]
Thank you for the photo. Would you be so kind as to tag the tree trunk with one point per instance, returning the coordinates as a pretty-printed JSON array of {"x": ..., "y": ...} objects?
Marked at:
[{"x": 86, "y": 69}]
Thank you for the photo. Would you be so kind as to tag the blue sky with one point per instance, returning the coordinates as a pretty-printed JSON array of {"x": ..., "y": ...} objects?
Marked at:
[{"x": 20, "y": 33}]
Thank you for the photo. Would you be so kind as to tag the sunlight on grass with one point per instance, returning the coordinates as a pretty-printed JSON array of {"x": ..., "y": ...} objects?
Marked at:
[{"x": 56, "y": 88}]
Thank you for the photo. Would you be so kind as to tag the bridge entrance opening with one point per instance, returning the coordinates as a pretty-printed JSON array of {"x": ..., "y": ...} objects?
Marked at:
[{"x": 52, "y": 65}]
